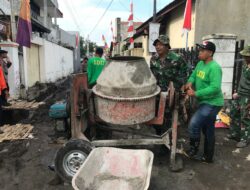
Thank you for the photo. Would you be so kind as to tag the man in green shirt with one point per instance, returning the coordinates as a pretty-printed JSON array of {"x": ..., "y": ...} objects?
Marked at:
[
  {"x": 95, "y": 66},
  {"x": 205, "y": 84}
]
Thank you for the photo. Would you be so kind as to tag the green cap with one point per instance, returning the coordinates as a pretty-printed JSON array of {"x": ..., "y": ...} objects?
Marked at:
[
  {"x": 163, "y": 39},
  {"x": 246, "y": 51}
]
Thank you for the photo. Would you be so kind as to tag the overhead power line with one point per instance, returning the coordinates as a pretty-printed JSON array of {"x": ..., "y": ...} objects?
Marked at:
[
  {"x": 75, "y": 11},
  {"x": 72, "y": 15},
  {"x": 93, "y": 9},
  {"x": 98, "y": 22}
]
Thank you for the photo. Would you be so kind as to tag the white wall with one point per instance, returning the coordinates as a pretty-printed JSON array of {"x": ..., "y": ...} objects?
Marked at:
[
  {"x": 223, "y": 16},
  {"x": 55, "y": 61},
  {"x": 5, "y": 6},
  {"x": 58, "y": 62}
]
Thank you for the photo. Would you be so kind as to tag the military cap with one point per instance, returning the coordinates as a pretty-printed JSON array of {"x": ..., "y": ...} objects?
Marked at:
[
  {"x": 246, "y": 51},
  {"x": 163, "y": 39}
]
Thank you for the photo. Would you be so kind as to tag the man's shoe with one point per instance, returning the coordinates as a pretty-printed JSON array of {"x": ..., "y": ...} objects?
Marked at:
[
  {"x": 194, "y": 148},
  {"x": 192, "y": 153},
  {"x": 206, "y": 160},
  {"x": 202, "y": 158},
  {"x": 242, "y": 144}
]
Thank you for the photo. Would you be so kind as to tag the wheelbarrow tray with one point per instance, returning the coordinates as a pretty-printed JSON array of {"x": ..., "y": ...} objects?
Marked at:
[{"x": 115, "y": 168}]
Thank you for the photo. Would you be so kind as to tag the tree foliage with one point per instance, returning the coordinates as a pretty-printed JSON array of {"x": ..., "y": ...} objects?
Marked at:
[{"x": 83, "y": 47}]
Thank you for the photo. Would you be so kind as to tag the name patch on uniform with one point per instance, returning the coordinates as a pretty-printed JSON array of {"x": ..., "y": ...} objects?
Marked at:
[
  {"x": 201, "y": 74},
  {"x": 98, "y": 62}
]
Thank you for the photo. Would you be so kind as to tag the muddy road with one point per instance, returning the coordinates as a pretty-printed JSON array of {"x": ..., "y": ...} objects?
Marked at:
[{"x": 24, "y": 163}]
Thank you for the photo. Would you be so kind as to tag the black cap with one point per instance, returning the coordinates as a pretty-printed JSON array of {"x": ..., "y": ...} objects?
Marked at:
[
  {"x": 99, "y": 51},
  {"x": 3, "y": 51},
  {"x": 207, "y": 45}
]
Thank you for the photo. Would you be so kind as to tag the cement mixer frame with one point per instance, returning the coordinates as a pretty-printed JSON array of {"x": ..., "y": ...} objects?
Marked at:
[{"x": 80, "y": 100}]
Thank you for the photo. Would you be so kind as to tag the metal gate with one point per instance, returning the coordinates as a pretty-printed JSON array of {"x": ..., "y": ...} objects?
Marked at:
[{"x": 237, "y": 65}]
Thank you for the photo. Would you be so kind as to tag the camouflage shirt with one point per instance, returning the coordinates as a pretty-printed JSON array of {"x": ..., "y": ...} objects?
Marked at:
[
  {"x": 244, "y": 86},
  {"x": 172, "y": 68}
]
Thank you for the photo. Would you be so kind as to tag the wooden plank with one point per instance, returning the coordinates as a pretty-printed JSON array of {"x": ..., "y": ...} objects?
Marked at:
[
  {"x": 22, "y": 104},
  {"x": 15, "y": 132}
]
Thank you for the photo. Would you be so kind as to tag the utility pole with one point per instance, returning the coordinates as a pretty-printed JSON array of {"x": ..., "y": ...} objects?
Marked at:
[
  {"x": 154, "y": 15},
  {"x": 13, "y": 21}
]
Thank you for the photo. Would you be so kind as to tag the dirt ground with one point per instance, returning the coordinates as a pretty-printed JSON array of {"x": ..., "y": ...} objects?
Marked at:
[{"x": 24, "y": 163}]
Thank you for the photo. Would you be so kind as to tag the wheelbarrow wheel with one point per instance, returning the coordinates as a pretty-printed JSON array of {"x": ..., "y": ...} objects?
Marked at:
[{"x": 70, "y": 157}]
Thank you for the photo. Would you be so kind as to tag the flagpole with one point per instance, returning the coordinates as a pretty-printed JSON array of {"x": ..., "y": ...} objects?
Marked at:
[
  {"x": 13, "y": 22},
  {"x": 154, "y": 12},
  {"x": 186, "y": 48}
]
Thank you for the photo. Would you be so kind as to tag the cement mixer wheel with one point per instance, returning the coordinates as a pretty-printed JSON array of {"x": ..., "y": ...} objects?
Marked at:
[{"x": 70, "y": 157}]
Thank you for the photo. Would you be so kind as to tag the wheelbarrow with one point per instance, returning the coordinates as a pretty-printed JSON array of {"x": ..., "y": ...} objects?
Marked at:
[{"x": 106, "y": 168}]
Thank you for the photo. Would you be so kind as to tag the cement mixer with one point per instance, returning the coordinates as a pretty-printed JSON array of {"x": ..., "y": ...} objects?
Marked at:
[{"x": 125, "y": 100}]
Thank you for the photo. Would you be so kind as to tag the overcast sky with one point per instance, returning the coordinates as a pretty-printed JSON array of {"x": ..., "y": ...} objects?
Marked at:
[{"x": 83, "y": 15}]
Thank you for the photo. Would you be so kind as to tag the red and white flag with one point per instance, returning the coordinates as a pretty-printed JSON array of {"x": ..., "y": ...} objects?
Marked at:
[
  {"x": 131, "y": 25},
  {"x": 104, "y": 41},
  {"x": 112, "y": 31},
  {"x": 187, "y": 20},
  {"x": 77, "y": 40},
  {"x": 187, "y": 16}
]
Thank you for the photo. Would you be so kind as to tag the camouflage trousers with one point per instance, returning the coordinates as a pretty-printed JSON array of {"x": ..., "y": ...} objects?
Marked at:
[{"x": 240, "y": 118}]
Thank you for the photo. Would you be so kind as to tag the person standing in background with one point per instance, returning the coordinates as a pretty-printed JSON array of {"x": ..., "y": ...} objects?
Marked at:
[
  {"x": 240, "y": 113},
  {"x": 95, "y": 67},
  {"x": 6, "y": 64}
]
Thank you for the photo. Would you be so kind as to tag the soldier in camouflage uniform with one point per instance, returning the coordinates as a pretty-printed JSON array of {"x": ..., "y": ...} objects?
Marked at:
[
  {"x": 168, "y": 66},
  {"x": 234, "y": 108},
  {"x": 240, "y": 126}
]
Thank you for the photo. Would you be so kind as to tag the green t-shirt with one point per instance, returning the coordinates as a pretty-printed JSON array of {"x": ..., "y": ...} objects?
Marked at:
[
  {"x": 94, "y": 69},
  {"x": 206, "y": 79}
]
